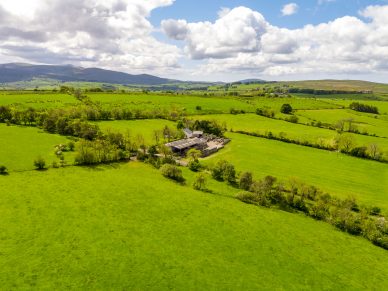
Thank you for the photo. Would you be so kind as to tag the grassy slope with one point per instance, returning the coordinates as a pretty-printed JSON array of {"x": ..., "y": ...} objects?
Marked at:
[
  {"x": 19, "y": 146},
  {"x": 363, "y": 121},
  {"x": 348, "y": 85},
  {"x": 336, "y": 173},
  {"x": 260, "y": 124},
  {"x": 144, "y": 127},
  {"x": 133, "y": 229}
]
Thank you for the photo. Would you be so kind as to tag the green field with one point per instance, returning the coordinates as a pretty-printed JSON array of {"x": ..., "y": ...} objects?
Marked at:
[
  {"x": 20, "y": 146},
  {"x": 370, "y": 123},
  {"x": 336, "y": 173},
  {"x": 144, "y": 127},
  {"x": 258, "y": 124},
  {"x": 186, "y": 103},
  {"x": 132, "y": 229},
  {"x": 37, "y": 100}
]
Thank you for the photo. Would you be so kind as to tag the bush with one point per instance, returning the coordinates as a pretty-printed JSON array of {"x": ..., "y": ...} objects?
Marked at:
[
  {"x": 194, "y": 165},
  {"x": 286, "y": 109},
  {"x": 172, "y": 172},
  {"x": 40, "y": 163},
  {"x": 200, "y": 182},
  {"x": 224, "y": 171},
  {"x": 71, "y": 146},
  {"x": 247, "y": 197},
  {"x": 3, "y": 170},
  {"x": 246, "y": 181}
]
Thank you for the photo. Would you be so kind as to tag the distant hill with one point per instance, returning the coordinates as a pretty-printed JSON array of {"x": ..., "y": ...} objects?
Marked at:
[
  {"x": 17, "y": 72},
  {"x": 345, "y": 85}
]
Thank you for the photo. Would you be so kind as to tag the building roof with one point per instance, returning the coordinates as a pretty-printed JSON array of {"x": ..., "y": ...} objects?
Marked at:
[
  {"x": 186, "y": 143},
  {"x": 188, "y": 132}
]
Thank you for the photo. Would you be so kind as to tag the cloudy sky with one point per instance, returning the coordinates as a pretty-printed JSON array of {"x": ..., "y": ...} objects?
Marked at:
[{"x": 202, "y": 40}]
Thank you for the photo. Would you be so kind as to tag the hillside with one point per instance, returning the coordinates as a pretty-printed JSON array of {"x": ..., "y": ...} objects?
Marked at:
[{"x": 15, "y": 72}]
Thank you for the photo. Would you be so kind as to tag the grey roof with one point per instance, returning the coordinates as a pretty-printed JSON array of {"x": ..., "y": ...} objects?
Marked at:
[
  {"x": 198, "y": 132},
  {"x": 186, "y": 143}
]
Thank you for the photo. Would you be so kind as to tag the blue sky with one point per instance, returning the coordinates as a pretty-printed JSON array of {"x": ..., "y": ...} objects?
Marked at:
[
  {"x": 192, "y": 40},
  {"x": 310, "y": 11}
]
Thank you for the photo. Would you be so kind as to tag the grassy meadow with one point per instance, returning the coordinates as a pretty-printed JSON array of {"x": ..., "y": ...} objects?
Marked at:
[
  {"x": 20, "y": 146},
  {"x": 133, "y": 229},
  {"x": 144, "y": 127},
  {"x": 335, "y": 173},
  {"x": 258, "y": 124}
]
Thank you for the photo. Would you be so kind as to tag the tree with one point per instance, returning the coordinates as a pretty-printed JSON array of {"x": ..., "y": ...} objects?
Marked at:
[
  {"x": 193, "y": 154},
  {"x": 200, "y": 182},
  {"x": 246, "y": 181},
  {"x": 374, "y": 151},
  {"x": 345, "y": 142},
  {"x": 3, "y": 170},
  {"x": 39, "y": 163},
  {"x": 286, "y": 109}
]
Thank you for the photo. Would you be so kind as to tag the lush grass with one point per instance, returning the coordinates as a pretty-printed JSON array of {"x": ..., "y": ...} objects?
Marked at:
[
  {"x": 38, "y": 100},
  {"x": 186, "y": 103},
  {"x": 20, "y": 146},
  {"x": 144, "y": 127},
  {"x": 370, "y": 123},
  {"x": 296, "y": 103},
  {"x": 132, "y": 229},
  {"x": 381, "y": 105},
  {"x": 258, "y": 124},
  {"x": 333, "y": 172}
]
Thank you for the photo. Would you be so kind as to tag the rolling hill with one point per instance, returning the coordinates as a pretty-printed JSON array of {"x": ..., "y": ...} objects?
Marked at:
[{"x": 16, "y": 72}]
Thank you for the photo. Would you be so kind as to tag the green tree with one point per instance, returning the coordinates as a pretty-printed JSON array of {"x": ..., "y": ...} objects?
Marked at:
[
  {"x": 286, "y": 109},
  {"x": 200, "y": 182},
  {"x": 39, "y": 163},
  {"x": 246, "y": 181}
]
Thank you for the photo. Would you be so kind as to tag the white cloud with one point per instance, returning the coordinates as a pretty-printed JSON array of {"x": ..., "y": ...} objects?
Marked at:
[
  {"x": 109, "y": 33},
  {"x": 290, "y": 9},
  {"x": 240, "y": 30},
  {"x": 320, "y": 2},
  {"x": 243, "y": 42}
]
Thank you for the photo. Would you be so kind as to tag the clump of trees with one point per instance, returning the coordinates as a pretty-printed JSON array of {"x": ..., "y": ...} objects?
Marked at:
[
  {"x": 364, "y": 108},
  {"x": 224, "y": 171},
  {"x": 193, "y": 155},
  {"x": 346, "y": 215},
  {"x": 209, "y": 127}
]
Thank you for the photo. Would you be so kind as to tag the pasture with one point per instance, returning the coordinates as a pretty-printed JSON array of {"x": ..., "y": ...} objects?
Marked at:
[
  {"x": 144, "y": 127},
  {"x": 335, "y": 173},
  {"x": 37, "y": 100},
  {"x": 20, "y": 146},
  {"x": 258, "y": 124},
  {"x": 132, "y": 229}
]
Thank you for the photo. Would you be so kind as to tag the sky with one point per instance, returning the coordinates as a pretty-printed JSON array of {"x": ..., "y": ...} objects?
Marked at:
[{"x": 213, "y": 40}]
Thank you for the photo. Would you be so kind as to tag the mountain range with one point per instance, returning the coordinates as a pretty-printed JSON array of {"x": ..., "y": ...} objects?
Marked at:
[{"x": 17, "y": 72}]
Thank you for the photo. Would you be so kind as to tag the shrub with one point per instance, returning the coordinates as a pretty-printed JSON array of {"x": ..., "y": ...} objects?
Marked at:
[
  {"x": 3, "y": 170},
  {"x": 200, "y": 182},
  {"x": 172, "y": 172},
  {"x": 246, "y": 181},
  {"x": 71, "y": 146},
  {"x": 286, "y": 109},
  {"x": 198, "y": 107},
  {"x": 247, "y": 197},
  {"x": 40, "y": 163},
  {"x": 194, "y": 165}
]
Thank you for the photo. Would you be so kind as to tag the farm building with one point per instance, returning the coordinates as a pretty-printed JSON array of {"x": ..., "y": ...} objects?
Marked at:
[
  {"x": 191, "y": 134},
  {"x": 183, "y": 145}
]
